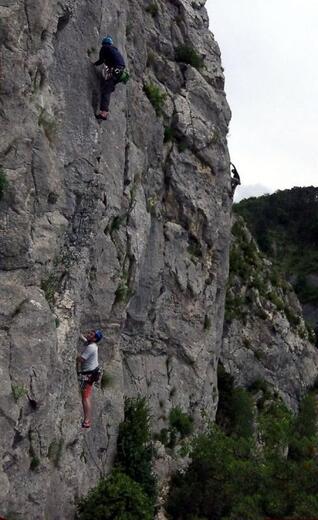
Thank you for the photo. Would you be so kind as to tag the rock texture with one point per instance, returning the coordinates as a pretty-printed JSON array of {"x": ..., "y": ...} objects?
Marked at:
[
  {"x": 105, "y": 224},
  {"x": 265, "y": 336}
]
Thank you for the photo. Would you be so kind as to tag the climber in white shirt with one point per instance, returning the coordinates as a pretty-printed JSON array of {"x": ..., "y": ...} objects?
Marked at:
[{"x": 88, "y": 372}]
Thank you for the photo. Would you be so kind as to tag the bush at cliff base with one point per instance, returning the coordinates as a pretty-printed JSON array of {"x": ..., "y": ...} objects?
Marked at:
[
  {"x": 134, "y": 446},
  {"x": 117, "y": 497},
  {"x": 272, "y": 472}
]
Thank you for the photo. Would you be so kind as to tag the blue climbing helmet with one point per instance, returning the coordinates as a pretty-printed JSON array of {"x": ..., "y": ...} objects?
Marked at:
[
  {"x": 108, "y": 40},
  {"x": 98, "y": 335}
]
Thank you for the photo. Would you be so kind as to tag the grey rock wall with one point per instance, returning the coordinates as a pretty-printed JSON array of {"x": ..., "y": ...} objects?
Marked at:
[
  {"x": 265, "y": 336},
  {"x": 105, "y": 223}
]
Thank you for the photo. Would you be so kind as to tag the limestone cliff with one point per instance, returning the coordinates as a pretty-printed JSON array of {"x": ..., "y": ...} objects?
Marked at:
[
  {"x": 126, "y": 222},
  {"x": 265, "y": 335}
]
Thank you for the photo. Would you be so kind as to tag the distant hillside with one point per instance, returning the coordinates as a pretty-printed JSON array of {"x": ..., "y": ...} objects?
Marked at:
[{"x": 285, "y": 226}]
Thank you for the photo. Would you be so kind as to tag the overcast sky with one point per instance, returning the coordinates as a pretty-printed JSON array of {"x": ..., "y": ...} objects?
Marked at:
[{"x": 270, "y": 55}]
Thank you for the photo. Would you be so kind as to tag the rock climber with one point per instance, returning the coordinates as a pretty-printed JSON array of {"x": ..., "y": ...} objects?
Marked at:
[
  {"x": 235, "y": 179},
  {"x": 88, "y": 372},
  {"x": 113, "y": 67},
  {"x": 316, "y": 333}
]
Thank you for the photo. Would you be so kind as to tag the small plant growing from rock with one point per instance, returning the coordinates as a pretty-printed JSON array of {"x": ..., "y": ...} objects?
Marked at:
[
  {"x": 207, "y": 322},
  {"x": 168, "y": 134},
  {"x": 106, "y": 381},
  {"x": 49, "y": 286},
  {"x": 152, "y": 9},
  {"x": 129, "y": 27},
  {"x": 151, "y": 205},
  {"x": 18, "y": 391},
  {"x": 194, "y": 248},
  {"x": 117, "y": 222},
  {"x": 3, "y": 182},
  {"x": 55, "y": 451},
  {"x": 34, "y": 459},
  {"x": 156, "y": 96},
  {"x": 187, "y": 54}
]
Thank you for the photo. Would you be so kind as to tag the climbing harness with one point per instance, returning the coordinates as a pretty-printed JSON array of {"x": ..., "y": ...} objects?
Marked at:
[
  {"x": 93, "y": 376},
  {"x": 121, "y": 74}
]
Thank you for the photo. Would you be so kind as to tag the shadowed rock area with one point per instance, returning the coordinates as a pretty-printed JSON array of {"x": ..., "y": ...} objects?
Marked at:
[{"x": 123, "y": 222}]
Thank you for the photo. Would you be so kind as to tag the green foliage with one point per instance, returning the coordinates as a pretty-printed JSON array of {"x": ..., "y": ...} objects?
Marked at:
[
  {"x": 207, "y": 322},
  {"x": 182, "y": 145},
  {"x": 235, "y": 408},
  {"x": 235, "y": 307},
  {"x": 194, "y": 248},
  {"x": 275, "y": 426},
  {"x": 52, "y": 198},
  {"x": 285, "y": 225},
  {"x": 134, "y": 448},
  {"x": 155, "y": 96},
  {"x": 151, "y": 204},
  {"x": 151, "y": 58},
  {"x": 220, "y": 474},
  {"x": 106, "y": 381},
  {"x": 259, "y": 386},
  {"x": 242, "y": 413},
  {"x": 152, "y": 9},
  {"x": 180, "y": 421},
  {"x": 168, "y": 134},
  {"x": 129, "y": 28},
  {"x": 55, "y": 451},
  {"x": 306, "y": 293},
  {"x": 163, "y": 436},
  {"x": 117, "y": 222},
  {"x": 293, "y": 319},
  {"x": 18, "y": 391},
  {"x": 117, "y": 497},
  {"x": 231, "y": 477},
  {"x": 304, "y": 443},
  {"x": 34, "y": 463},
  {"x": 246, "y": 263},
  {"x": 187, "y": 54},
  {"x": 3, "y": 182},
  {"x": 50, "y": 285},
  {"x": 123, "y": 291},
  {"x": 276, "y": 300}
]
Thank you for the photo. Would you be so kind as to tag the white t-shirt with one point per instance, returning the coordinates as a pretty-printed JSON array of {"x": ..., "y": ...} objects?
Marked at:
[{"x": 90, "y": 354}]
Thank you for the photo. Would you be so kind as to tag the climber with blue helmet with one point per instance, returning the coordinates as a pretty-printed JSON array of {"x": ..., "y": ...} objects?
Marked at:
[
  {"x": 88, "y": 372},
  {"x": 113, "y": 68}
]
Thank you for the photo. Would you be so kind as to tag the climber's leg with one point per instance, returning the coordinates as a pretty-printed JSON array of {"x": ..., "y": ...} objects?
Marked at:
[
  {"x": 107, "y": 87},
  {"x": 87, "y": 404}
]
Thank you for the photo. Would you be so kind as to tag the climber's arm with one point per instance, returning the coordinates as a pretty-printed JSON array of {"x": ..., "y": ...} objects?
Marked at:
[{"x": 100, "y": 59}]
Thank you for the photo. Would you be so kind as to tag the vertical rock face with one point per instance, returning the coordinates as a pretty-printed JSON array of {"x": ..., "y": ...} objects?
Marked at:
[
  {"x": 105, "y": 224},
  {"x": 265, "y": 336}
]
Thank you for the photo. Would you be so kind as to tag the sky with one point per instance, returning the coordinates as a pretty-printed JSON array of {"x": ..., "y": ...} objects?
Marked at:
[{"x": 270, "y": 56}]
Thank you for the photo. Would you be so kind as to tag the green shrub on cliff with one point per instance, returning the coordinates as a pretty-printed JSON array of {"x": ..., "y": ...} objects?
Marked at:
[
  {"x": 134, "y": 447},
  {"x": 156, "y": 96},
  {"x": 117, "y": 497},
  {"x": 180, "y": 421},
  {"x": 129, "y": 492},
  {"x": 268, "y": 470},
  {"x": 187, "y": 54}
]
